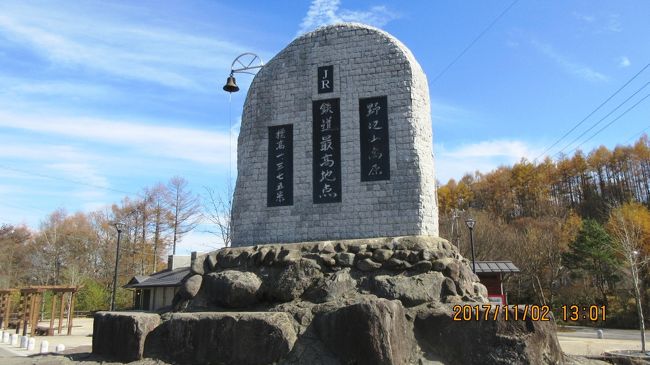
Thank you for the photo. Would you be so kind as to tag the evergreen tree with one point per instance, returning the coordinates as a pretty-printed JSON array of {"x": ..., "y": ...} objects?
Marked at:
[{"x": 592, "y": 253}]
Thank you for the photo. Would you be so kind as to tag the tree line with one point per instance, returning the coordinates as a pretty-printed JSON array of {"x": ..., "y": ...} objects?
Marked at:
[
  {"x": 577, "y": 227},
  {"x": 80, "y": 248}
]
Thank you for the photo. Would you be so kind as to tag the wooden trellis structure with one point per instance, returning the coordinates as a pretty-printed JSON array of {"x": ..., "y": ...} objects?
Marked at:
[
  {"x": 30, "y": 302},
  {"x": 5, "y": 307}
]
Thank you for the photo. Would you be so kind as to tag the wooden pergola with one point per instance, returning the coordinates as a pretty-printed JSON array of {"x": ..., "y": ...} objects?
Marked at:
[
  {"x": 5, "y": 307},
  {"x": 30, "y": 302}
]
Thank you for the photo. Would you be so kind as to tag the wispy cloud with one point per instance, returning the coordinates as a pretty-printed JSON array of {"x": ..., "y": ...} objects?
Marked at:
[
  {"x": 483, "y": 156},
  {"x": 587, "y": 18},
  {"x": 609, "y": 23},
  {"x": 170, "y": 142},
  {"x": 614, "y": 23},
  {"x": 23, "y": 87},
  {"x": 324, "y": 12},
  {"x": 573, "y": 68},
  {"x": 74, "y": 40},
  {"x": 623, "y": 62},
  {"x": 444, "y": 113}
]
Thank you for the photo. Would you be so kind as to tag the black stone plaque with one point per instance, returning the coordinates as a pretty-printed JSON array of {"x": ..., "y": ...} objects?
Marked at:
[
  {"x": 327, "y": 151},
  {"x": 373, "y": 118},
  {"x": 325, "y": 79},
  {"x": 280, "y": 169}
]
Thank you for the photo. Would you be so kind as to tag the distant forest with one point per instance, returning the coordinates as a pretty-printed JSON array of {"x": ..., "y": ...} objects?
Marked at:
[
  {"x": 577, "y": 227},
  {"x": 574, "y": 226}
]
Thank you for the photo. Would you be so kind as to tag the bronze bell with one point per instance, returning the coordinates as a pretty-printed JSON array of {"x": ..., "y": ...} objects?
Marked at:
[{"x": 231, "y": 85}]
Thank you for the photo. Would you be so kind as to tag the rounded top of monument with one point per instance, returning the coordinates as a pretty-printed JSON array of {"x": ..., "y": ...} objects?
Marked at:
[{"x": 346, "y": 29}]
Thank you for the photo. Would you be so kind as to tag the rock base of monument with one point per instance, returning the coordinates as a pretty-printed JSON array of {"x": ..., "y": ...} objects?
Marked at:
[{"x": 372, "y": 301}]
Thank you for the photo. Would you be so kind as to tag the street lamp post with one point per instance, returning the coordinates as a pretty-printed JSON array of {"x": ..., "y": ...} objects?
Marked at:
[
  {"x": 119, "y": 226},
  {"x": 470, "y": 222}
]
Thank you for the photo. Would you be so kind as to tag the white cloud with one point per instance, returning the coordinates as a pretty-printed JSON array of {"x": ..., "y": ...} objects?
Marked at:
[
  {"x": 198, "y": 240},
  {"x": 443, "y": 113},
  {"x": 197, "y": 145},
  {"x": 80, "y": 171},
  {"x": 573, "y": 68},
  {"x": 324, "y": 12},
  {"x": 614, "y": 23},
  {"x": 623, "y": 62},
  {"x": 483, "y": 156},
  {"x": 72, "y": 39},
  {"x": 609, "y": 23},
  {"x": 12, "y": 86},
  {"x": 587, "y": 18}
]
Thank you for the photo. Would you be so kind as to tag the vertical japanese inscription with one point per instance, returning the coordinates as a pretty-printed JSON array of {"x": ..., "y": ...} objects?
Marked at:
[
  {"x": 280, "y": 168},
  {"x": 325, "y": 79},
  {"x": 327, "y": 151},
  {"x": 375, "y": 160}
]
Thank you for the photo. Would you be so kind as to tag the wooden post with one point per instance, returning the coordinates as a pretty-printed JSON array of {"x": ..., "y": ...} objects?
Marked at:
[
  {"x": 61, "y": 303},
  {"x": 32, "y": 306},
  {"x": 36, "y": 311},
  {"x": 71, "y": 312},
  {"x": 21, "y": 305},
  {"x": 50, "y": 332},
  {"x": 8, "y": 311},
  {"x": 26, "y": 312},
  {"x": 3, "y": 299}
]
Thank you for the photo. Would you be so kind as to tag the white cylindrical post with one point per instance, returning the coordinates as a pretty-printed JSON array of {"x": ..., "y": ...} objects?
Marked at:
[
  {"x": 45, "y": 347},
  {"x": 599, "y": 333},
  {"x": 6, "y": 337},
  {"x": 14, "y": 339},
  {"x": 23, "y": 342},
  {"x": 31, "y": 344},
  {"x": 60, "y": 348}
]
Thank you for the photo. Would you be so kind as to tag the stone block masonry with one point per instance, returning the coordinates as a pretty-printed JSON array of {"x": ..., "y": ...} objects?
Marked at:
[{"x": 352, "y": 64}]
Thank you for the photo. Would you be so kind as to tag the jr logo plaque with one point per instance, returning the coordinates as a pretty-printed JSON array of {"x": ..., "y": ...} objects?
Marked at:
[{"x": 325, "y": 79}]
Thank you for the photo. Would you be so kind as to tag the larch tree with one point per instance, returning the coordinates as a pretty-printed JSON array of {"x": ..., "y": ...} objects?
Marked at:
[
  {"x": 184, "y": 209},
  {"x": 629, "y": 225},
  {"x": 219, "y": 212}
]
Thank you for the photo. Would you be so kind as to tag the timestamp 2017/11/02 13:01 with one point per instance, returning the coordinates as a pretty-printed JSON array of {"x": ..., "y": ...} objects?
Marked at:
[{"x": 533, "y": 312}]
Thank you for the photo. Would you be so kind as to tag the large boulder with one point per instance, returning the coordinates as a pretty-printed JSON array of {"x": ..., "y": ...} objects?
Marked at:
[
  {"x": 334, "y": 287},
  {"x": 486, "y": 341},
  {"x": 373, "y": 332},
  {"x": 190, "y": 286},
  {"x": 121, "y": 335},
  {"x": 232, "y": 289},
  {"x": 410, "y": 290},
  {"x": 237, "y": 338},
  {"x": 291, "y": 281}
]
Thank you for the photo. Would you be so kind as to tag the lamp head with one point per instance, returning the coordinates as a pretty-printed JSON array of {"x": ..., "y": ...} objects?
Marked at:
[
  {"x": 470, "y": 222},
  {"x": 119, "y": 226}
]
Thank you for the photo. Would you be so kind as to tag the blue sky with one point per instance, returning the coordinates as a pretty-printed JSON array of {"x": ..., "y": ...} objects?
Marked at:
[{"x": 99, "y": 99}]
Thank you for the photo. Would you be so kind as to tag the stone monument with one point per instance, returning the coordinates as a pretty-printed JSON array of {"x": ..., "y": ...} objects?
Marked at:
[
  {"x": 336, "y": 143},
  {"x": 336, "y": 258}
]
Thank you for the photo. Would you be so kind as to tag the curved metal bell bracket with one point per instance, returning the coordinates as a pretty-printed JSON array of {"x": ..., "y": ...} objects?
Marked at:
[{"x": 245, "y": 62}]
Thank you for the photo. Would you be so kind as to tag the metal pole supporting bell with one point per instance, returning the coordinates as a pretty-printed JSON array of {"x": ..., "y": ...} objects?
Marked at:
[{"x": 231, "y": 85}]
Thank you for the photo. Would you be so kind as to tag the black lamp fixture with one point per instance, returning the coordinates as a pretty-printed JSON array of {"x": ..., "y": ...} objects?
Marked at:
[
  {"x": 245, "y": 62},
  {"x": 470, "y": 222},
  {"x": 119, "y": 226}
]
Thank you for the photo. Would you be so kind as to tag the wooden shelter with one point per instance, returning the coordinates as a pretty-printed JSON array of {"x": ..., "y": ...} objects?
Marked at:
[
  {"x": 30, "y": 302},
  {"x": 491, "y": 275}
]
